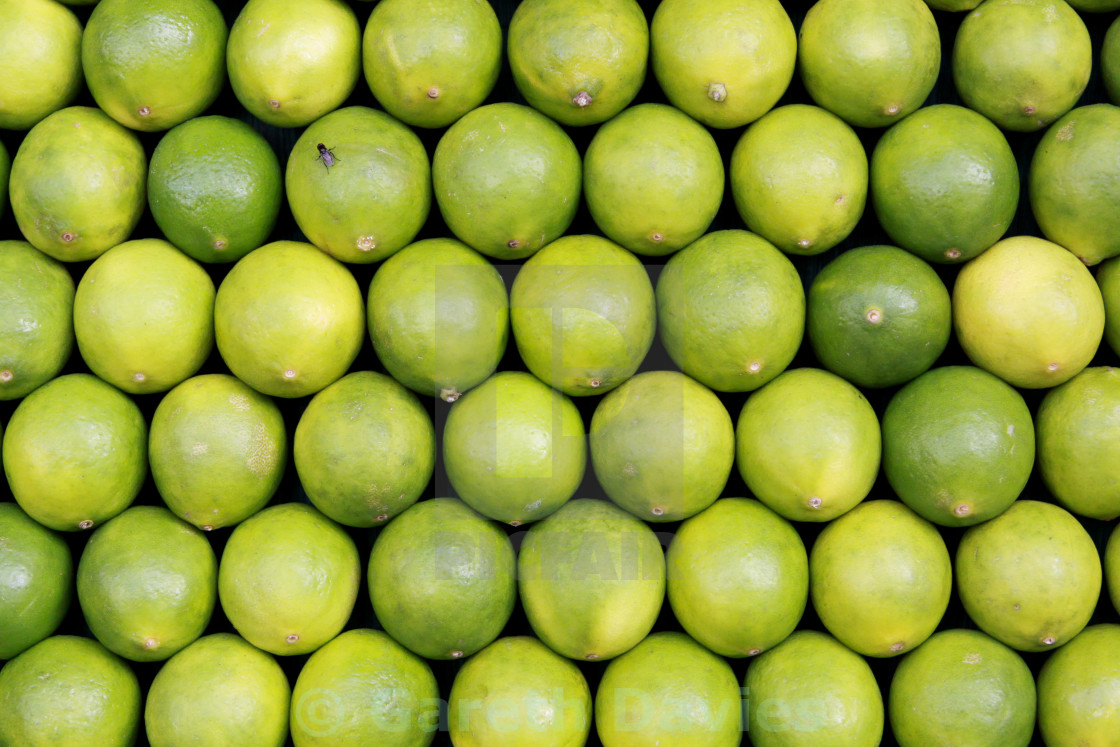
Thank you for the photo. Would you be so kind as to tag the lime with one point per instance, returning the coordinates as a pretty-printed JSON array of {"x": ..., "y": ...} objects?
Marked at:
[
  {"x": 722, "y": 62},
  {"x": 1110, "y": 61},
  {"x": 1094, "y": 6},
  {"x": 40, "y": 61},
  {"x": 1030, "y": 577},
  {"x": 151, "y": 64},
  {"x": 75, "y": 452},
  {"x": 962, "y": 687},
  {"x": 808, "y": 445},
  {"x": 583, "y": 314},
  {"x": 799, "y": 178},
  {"x": 552, "y": 703},
  {"x": 738, "y": 577},
  {"x": 438, "y": 317},
  {"x": 1111, "y": 561},
  {"x": 144, "y": 316},
  {"x": 1108, "y": 279},
  {"x": 36, "y": 572},
  {"x": 1022, "y": 64},
  {"x": 77, "y": 184},
  {"x": 1029, "y": 312},
  {"x": 364, "y": 449},
  {"x": 214, "y": 187},
  {"x": 662, "y": 446},
  {"x": 944, "y": 183},
  {"x": 288, "y": 579},
  {"x": 578, "y": 61},
  {"x": 430, "y": 62},
  {"x": 288, "y": 319},
  {"x": 292, "y": 61},
  {"x": 1079, "y": 690},
  {"x": 359, "y": 184},
  {"x": 147, "y": 583},
  {"x": 442, "y": 579},
  {"x": 218, "y": 691},
  {"x": 958, "y": 445},
  {"x": 507, "y": 180},
  {"x": 731, "y": 310},
  {"x": 5, "y": 171},
  {"x": 36, "y": 318},
  {"x": 514, "y": 449},
  {"x": 653, "y": 179}
]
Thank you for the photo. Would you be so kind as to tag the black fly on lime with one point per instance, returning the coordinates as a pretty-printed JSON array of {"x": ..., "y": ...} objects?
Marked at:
[{"x": 326, "y": 155}]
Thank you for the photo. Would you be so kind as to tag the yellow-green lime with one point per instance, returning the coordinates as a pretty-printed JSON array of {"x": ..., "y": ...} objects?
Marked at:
[
  {"x": 958, "y": 445},
  {"x": 75, "y": 452},
  {"x": 151, "y": 64},
  {"x": 364, "y": 688},
  {"x": 1110, "y": 61},
  {"x": 359, "y": 184},
  {"x": 578, "y": 61},
  {"x": 1029, "y": 312},
  {"x": 288, "y": 579},
  {"x": 430, "y": 62},
  {"x": 870, "y": 62},
  {"x": 591, "y": 579},
  {"x": 507, "y": 180},
  {"x": 5, "y": 172},
  {"x": 653, "y": 179},
  {"x": 78, "y": 184},
  {"x": 662, "y": 446},
  {"x": 962, "y": 687},
  {"x": 1022, "y": 64},
  {"x": 812, "y": 691},
  {"x": 808, "y": 445},
  {"x": 442, "y": 579},
  {"x": 722, "y": 62},
  {"x": 215, "y": 188},
  {"x": 944, "y": 183},
  {"x": 36, "y": 318},
  {"x": 551, "y": 698},
  {"x": 364, "y": 449},
  {"x": 670, "y": 691},
  {"x": 1110, "y": 559},
  {"x": 880, "y": 578},
  {"x": 40, "y": 61},
  {"x": 738, "y": 577},
  {"x": 1074, "y": 178},
  {"x": 147, "y": 583},
  {"x": 1108, "y": 279},
  {"x": 1079, "y": 690},
  {"x": 218, "y": 691},
  {"x": 288, "y": 319},
  {"x": 68, "y": 690},
  {"x": 799, "y": 178},
  {"x": 514, "y": 449},
  {"x": 583, "y": 314},
  {"x": 731, "y": 310},
  {"x": 144, "y": 316},
  {"x": 36, "y": 572},
  {"x": 1030, "y": 577},
  {"x": 1094, "y": 6},
  {"x": 438, "y": 317}
]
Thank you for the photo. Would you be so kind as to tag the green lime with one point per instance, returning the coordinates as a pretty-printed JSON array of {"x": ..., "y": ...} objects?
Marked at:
[
  {"x": 151, "y": 64},
  {"x": 430, "y": 62},
  {"x": 40, "y": 61},
  {"x": 799, "y": 178},
  {"x": 662, "y": 446},
  {"x": 36, "y": 573},
  {"x": 442, "y": 579},
  {"x": 738, "y": 577},
  {"x": 438, "y": 317},
  {"x": 359, "y": 184},
  {"x": 507, "y": 180},
  {"x": 5, "y": 172},
  {"x": 1111, "y": 561},
  {"x": 944, "y": 183},
  {"x": 77, "y": 184},
  {"x": 1108, "y": 279},
  {"x": 1110, "y": 61},
  {"x": 653, "y": 179},
  {"x": 583, "y": 314},
  {"x": 75, "y": 452},
  {"x": 364, "y": 449},
  {"x": 215, "y": 188},
  {"x": 215, "y": 692},
  {"x": 144, "y": 316},
  {"x": 731, "y": 310},
  {"x": 36, "y": 318},
  {"x": 1079, "y": 690}
]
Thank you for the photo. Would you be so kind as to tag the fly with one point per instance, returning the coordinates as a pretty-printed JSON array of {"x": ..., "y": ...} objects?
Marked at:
[{"x": 326, "y": 155}]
